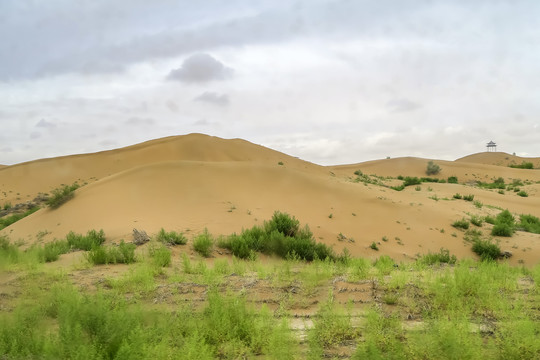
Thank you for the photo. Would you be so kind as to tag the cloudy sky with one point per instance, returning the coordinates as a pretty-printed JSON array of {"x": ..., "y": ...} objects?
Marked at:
[{"x": 329, "y": 81}]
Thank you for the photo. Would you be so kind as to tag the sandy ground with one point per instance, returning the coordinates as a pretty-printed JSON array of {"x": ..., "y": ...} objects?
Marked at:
[{"x": 188, "y": 183}]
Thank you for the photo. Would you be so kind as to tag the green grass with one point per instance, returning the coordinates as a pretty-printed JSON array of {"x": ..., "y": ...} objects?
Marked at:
[
  {"x": 92, "y": 239},
  {"x": 461, "y": 224},
  {"x": 487, "y": 250},
  {"x": 529, "y": 223},
  {"x": 476, "y": 220},
  {"x": 8, "y": 220},
  {"x": 203, "y": 243},
  {"x": 171, "y": 237},
  {"x": 443, "y": 256},
  {"x": 61, "y": 195},
  {"x": 469, "y": 197},
  {"x": 122, "y": 254}
]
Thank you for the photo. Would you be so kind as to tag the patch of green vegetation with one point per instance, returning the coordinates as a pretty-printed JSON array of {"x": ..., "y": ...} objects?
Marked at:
[
  {"x": 469, "y": 197},
  {"x": 374, "y": 246},
  {"x": 61, "y": 195},
  {"x": 496, "y": 184},
  {"x": 523, "y": 165},
  {"x": 203, "y": 243},
  {"x": 476, "y": 220},
  {"x": 452, "y": 180},
  {"x": 461, "y": 224},
  {"x": 7, "y": 206},
  {"x": 486, "y": 249},
  {"x": 443, "y": 256},
  {"x": 122, "y": 254},
  {"x": 92, "y": 239},
  {"x": 522, "y": 193},
  {"x": 280, "y": 236},
  {"x": 457, "y": 196},
  {"x": 529, "y": 223},
  {"x": 408, "y": 181},
  {"x": 160, "y": 255},
  {"x": 478, "y": 204},
  {"x": 504, "y": 224},
  {"x": 6, "y": 221},
  {"x": 171, "y": 237}
]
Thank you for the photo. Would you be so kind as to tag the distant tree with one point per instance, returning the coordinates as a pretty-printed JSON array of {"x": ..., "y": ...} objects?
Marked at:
[{"x": 432, "y": 168}]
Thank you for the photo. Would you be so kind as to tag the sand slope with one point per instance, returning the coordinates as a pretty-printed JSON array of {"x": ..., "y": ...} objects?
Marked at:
[
  {"x": 193, "y": 182},
  {"x": 499, "y": 159}
]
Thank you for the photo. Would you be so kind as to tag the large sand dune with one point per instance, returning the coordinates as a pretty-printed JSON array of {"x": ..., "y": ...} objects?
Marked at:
[{"x": 188, "y": 183}]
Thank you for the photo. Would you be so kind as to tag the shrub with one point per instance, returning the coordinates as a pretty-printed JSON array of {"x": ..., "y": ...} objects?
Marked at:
[
  {"x": 283, "y": 223},
  {"x": 203, "y": 243},
  {"x": 7, "y": 206},
  {"x": 172, "y": 237},
  {"x": 529, "y": 223},
  {"x": 461, "y": 224},
  {"x": 408, "y": 181},
  {"x": 358, "y": 173},
  {"x": 121, "y": 254},
  {"x": 428, "y": 179},
  {"x": 523, "y": 165},
  {"x": 486, "y": 249},
  {"x": 476, "y": 220},
  {"x": 61, "y": 195},
  {"x": 374, "y": 246},
  {"x": 398, "y": 188},
  {"x": 478, "y": 204},
  {"x": 452, "y": 180},
  {"x": 53, "y": 250},
  {"x": 501, "y": 229},
  {"x": 522, "y": 193},
  {"x": 468, "y": 197},
  {"x": 432, "y": 168},
  {"x": 80, "y": 242},
  {"x": 161, "y": 256},
  {"x": 489, "y": 219},
  {"x": 443, "y": 256},
  {"x": 457, "y": 196}
]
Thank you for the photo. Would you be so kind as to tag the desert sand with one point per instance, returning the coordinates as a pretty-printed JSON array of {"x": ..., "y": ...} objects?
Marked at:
[{"x": 192, "y": 182}]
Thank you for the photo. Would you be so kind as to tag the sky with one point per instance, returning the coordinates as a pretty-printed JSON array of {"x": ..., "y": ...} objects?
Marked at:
[{"x": 328, "y": 81}]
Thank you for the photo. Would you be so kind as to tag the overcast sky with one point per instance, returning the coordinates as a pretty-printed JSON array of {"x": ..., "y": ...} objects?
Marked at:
[{"x": 331, "y": 82}]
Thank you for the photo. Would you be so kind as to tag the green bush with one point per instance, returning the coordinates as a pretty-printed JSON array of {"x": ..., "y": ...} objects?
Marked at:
[
  {"x": 461, "y": 224},
  {"x": 432, "y": 168},
  {"x": 430, "y": 180},
  {"x": 501, "y": 229},
  {"x": 468, "y": 197},
  {"x": 281, "y": 236},
  {"x": 398, "y": 188},
  {"x": 53, "y": 250},
  {"x": 172, "y": 237},
  {"x": 529, "y": 223},
  {"x": 92, "y": 239},
  {"x": 522, "y": 193},
  {"x": 523, "y": 165},
  {"x": 374, "y": 246},
  {"x": 476, "y": 220},
  {"x": 486, "y": 249},
  {"x": 443, "y": 256},
  {"x": 61, "y": 195},
  {"x": 161, "y": 256},
  {"x": 203, "y": 243},
  {"x": 457, "y": 196},
  {"x": 408, "y": 181},
  {"x": 452, "y": 180},
  {"x": 121, "y": 254}
]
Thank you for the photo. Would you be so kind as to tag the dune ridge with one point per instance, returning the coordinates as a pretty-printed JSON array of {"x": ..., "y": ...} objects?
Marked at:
[{"x": 189, "y": 183}]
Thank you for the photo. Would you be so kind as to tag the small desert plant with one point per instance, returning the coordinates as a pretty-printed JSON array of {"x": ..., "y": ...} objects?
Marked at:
[
  {"x": 408, "y": 181},
  {"x": 398, "y": 188},
  {"x": 443, "y": 256},
  {"x": 122, "y": 254},
  {"x": 61, "y": 195},
  {"x": 529, "y": 223},
  {"x": 7, "y": 206},
  {"x": 358, "y": 173},
  {"x": 469, "y": 197},
  {"x": 504, "y": 224},
  {"x": 203, "y": 243},
  {"x": 478, "y": 204},
  {"x": 79, "y": 242},
  {"x": 461, "y": 224},
  {"x": 476, "y": 220},
  {"x": 457, "y": 196},
  {"x": 486, "y": 249},
  {"x": 172, "y": 237},
  {"x": 452, "y": 180},
  {"x": 522, "y": 193},
  {"x": 523, "y": 165},
  {"x": 161, "y": 256},
  {"x": 374, "y": 246},
  {"x": 280, "y": 163},
  {"x": 53, "y": 250},
  {"x": 418, "y": 188},
  {"x": 432, "y": 168}
]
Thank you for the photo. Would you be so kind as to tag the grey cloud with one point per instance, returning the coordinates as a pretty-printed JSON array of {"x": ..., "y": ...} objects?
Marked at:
[
  {"x": 402, "y": 105},
  {"x": 35, "y": 135},
  {"x": 140, "y": 121},
  {"x": 200, "y": 68},
  {"x": 45, "y": 124},
  {"x": 213, "y": 98}
]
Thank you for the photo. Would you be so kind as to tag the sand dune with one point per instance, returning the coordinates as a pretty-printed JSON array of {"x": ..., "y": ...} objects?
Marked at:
[
  {"x": 499, "y": 159},
  {"x": 189, "y": 183}
]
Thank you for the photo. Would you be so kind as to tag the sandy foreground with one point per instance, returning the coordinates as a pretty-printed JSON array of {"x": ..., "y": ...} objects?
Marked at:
[{"x": 192, "y": 182}]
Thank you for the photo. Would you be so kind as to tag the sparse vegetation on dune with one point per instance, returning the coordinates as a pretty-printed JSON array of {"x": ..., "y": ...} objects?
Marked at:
[
  {"x": 61, "y": 195},
  {"x": 11, "y": 219}
]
